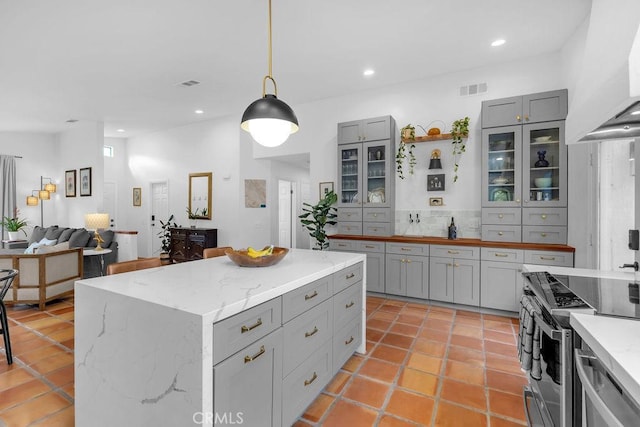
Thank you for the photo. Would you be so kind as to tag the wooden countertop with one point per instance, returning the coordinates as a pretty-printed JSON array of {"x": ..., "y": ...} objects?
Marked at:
[{"x": 457, "y": 242}]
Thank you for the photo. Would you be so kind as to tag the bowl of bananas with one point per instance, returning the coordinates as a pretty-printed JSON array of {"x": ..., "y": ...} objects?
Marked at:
[{"x": 250, "y": 257}]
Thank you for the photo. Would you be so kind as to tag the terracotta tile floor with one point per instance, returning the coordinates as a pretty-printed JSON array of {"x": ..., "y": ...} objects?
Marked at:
[{"x": 425, "y": 365}]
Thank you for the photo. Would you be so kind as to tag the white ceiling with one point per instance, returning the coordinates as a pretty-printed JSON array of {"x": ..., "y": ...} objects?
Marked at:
[{"x": 121, "y": 61}]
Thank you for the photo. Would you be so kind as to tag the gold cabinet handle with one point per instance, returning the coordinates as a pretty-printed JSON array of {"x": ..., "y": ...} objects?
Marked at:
[
  {"x": 405, "y": 249},
  {"x": 449, "y": 265},
  {"x": 342, "y": 245},
  {"x": 244, "y": 329},
  {"x": 453, "y": 252},
  {"x": 351, "y": 304},
  {"x": 500, "y": 233},
  {"x": 349, "y": 341},
  {"x": 350, "y": 276},
  {"x": 248, "y": 359},
  {"x": 408, "y": 261},
  {"x": 518, "y": 118},
  {"x": 375, "y": 215},
  {"x": 313, "y": 295},
  {"x": 312, "y": 379},
  {"x": 543, "y": 234},
  {"x": 548, "y": 258},
  {"x": 456, "y": 265},
  {"x": 517, "y": 200},
  {"x": 369, "y": 247},
  {"x": 501, "y": 255},
  {"x": 526, "y": 118},
  {"x": 312, "y": 333},
  {"x": 543, "y": 216},
  {"x": 500, "y": 216}
]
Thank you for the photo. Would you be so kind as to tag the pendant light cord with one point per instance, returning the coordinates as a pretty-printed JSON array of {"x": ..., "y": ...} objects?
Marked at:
[{"x": 269, "y": 76}]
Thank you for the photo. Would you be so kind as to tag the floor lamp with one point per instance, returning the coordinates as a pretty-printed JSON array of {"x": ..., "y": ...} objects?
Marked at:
[{"x": 43, "y": 194}]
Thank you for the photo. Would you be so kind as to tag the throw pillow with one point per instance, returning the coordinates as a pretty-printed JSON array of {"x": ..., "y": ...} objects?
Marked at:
[
  {"x": 45, "y": 249},
  {"x": 37, "y": 234},
  {"x": 79, "y": 238},
  {"x": 31, "y": 248},
  {"x": 43, "y": 242},
  {"x": 66, "y": 234},
  {"x": 53, "y": 232}
]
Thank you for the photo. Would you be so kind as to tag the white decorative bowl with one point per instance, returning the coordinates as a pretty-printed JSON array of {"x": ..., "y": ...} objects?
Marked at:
[{"x": 542, "y": 182}]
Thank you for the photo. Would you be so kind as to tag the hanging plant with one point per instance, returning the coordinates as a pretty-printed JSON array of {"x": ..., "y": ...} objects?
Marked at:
[
  {"x": 406, "y": 133},
  {"x": 459, "y": 131}
]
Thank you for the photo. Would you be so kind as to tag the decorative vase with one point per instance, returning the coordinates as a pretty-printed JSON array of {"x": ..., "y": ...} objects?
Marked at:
[
  {"x": 542, "y": 162},
  {"x": 14, "y": 235}
]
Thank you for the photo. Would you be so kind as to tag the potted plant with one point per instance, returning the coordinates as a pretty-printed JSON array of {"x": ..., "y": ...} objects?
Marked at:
[
  {"x": 14, "y": 226},
  {"x": 165, "y": 239},
  {"x": 459, "y": 131},
  {"x": 316, "y": 217},
  {"x": 407, "y": 133}
]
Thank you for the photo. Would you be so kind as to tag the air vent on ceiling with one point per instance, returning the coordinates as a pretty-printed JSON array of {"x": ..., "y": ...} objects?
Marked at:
[
  {"x": 72, "y": 120},
  {"x": 473, "y": 89},
  {"x": 189, "y": 83}
]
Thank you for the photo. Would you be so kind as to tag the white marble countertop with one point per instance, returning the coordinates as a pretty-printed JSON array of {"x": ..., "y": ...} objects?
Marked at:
[
  {"x": 615, "y": 341},
  {"x": 216, "y": 288}
]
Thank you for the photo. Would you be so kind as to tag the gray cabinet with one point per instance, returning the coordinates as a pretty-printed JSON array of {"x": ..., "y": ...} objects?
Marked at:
[
  {"x": 524, "y": 166},
  {"x": 375, "y": 259},
  {"x": 501, "y": 278},
  {"x": 454, "y": 274},
  {"x": 250, "y": 382},
  {"x": 532, "y": 108},
  {"x": 407, "y": 270},
  {"x": 366, "y": 178}
]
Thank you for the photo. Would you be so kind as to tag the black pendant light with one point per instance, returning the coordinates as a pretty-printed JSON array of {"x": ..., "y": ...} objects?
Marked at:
[{"x": 269, "y": 120}]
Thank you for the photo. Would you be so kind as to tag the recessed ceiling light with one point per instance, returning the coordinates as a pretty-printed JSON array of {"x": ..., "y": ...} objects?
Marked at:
[
  {"x": 498, "y": 42},
  {"x": 368, "y": 72},
  {"x": 635, "y": 113},
  {"x": 120, "y": 130},
  {"x": 199, "y": 111}
]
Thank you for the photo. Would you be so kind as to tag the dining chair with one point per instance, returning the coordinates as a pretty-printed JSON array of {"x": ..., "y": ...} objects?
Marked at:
[
  {"x": 133, "y": 265},
  {"x": 6, "y": 279},
  {"x": 215, "y": 252}
]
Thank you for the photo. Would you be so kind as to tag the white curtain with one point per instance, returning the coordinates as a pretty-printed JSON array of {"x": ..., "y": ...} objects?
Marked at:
[{"x": 7, "y": 188}]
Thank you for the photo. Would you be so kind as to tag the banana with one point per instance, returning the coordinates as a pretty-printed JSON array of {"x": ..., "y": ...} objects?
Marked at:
[{"x": 266, "y": 251}]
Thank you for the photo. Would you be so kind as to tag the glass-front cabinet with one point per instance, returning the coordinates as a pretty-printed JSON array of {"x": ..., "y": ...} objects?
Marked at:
[
  {"x": 544, "y": 174},
  {"x": 502, "y": 160},
  {"x": 350, "y": 175},
  {"x": 364, "y": 174}
]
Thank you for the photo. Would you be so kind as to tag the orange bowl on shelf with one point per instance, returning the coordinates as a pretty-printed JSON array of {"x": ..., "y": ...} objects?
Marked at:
[{"x": 240, "y": 257}]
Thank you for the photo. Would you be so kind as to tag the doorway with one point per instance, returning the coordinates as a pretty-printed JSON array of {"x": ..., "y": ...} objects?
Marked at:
[
  {"x": 616, "y": 189},
  {"x": 159, "y": 212},
  {"x": 286, "y": 213}
]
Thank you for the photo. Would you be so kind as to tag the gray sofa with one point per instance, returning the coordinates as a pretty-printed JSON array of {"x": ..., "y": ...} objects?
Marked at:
[{"x": 77, "y": 238}]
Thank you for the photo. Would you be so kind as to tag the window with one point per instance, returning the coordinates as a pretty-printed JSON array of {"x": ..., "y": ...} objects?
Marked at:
[{"x": 108, "y": 151}]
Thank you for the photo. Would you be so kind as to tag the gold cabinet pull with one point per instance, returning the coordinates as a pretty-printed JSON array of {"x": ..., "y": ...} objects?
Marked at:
[
  {"x": 543, "y": 216},
  {"x": 526, "y": 118},
  {"x": 548, "y": 258},
  {"x": 350, "y": 276},
  {"x": 518, "y": 118},
  {"x": 453, "y": 252},
  {"x": 369, "y": 247},
  {"x": 456, "y": 265},
  {"x": 244, "y": 329},
  {"x": 405, "y": 249},
  {"x": 501, "y": 255},
  {"x": 313, "y": 295},
  {"x": 342, "y": 245},
  {"x": 543, "y": 234},
  {"x": 248, "y": 359},
  {"x": 517, "y": 200},
  {"x": 375, "y": 215},
  {"x": 408, "y": 261},
  {"x": 500, "y": 233},
  {"x": 349, "y": 341},
  {"x": 312, "y": 333},
  {"x": 312, "y": 379},
  {"x": 500, "y": 216},
  {"x": 449, "y": 265},
  {"x": 349, "y": 305}
]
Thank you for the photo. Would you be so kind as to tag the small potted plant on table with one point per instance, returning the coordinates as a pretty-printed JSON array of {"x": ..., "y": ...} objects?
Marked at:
[
  {"x": 165, "y": 240},
  {"x": 14, "y": 226}
]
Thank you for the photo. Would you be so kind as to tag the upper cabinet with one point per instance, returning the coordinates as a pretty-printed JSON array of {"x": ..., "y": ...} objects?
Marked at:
[
  {"x": 374, "y": 129},
  {"x": 533, "y": 108}
]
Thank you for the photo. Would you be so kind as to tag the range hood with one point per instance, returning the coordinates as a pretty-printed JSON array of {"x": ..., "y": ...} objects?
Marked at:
[{"x": 623, "y": 125}]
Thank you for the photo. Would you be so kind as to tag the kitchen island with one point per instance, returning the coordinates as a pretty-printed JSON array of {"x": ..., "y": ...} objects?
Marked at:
[{"x": 147, "y": 343}]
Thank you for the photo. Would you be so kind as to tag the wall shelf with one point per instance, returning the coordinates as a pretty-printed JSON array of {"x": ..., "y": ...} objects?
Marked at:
[{"x": 429, "y": 138}]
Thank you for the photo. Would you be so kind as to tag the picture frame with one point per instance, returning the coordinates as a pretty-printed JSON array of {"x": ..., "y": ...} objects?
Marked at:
[
  {"x": 324, "y": 188},
  {"x": 436, "y": 201},
  {"x": 137, "y": 196},
  {"x": 70, "y": 183},
  {"x": 435, "y": 182},
  {"x": 85, "y": 181}
]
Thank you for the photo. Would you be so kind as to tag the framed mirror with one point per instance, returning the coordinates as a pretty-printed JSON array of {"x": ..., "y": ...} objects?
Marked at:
[{"x": 200, "y": 195}]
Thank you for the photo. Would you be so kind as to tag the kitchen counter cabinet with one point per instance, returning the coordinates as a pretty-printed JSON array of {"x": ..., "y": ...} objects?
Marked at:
[
  {"x": 375, "y": 259},
  {"x": 501, "y": 278},
  {"x": 407, "y": 270},
  {"x": 456, "y": 277},
  {"x": 145, "y": 347}
]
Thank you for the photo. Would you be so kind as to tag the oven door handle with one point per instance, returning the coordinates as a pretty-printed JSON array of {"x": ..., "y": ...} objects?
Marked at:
[
  {"x": 535, "y": 417},
  {"x": 554, "y": 334}
]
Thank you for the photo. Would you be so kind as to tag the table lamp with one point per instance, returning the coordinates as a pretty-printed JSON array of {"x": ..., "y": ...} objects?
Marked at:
[{"x": 96, "y": 221}]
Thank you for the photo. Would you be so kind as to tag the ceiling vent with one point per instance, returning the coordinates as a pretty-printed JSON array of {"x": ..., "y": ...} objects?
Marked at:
[
  {"x": 72, "y": 120},
  {"x": 190, "y": 83},
  {"x": 473, "y": 89}
]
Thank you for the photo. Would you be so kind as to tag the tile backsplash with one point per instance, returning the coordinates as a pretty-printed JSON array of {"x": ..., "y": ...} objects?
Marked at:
[{"x": 435, "y": 223}]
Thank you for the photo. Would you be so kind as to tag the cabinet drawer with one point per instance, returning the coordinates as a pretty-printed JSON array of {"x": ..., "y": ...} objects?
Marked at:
[
  {"x": 502, "y": 255},
  {"x": 342, "y": 245},
  {"x": 407, "y": 248},
  {"x": 304, "y": 335},
  {"x": 346, "y": 277},
  {"x": 304, "y": 384},
  {"x": 458, "y": 252},
  {"x": 347, "y": 305},
  {"x": 345, "y": 342},
  {"x": 376, "y": 228},
  {"x": 350, "y": 214},
  {"x": 501, "y": 233},
  {"x": 302, "y": 299},
  {"x": 377, "y": 247},
  {"x": 563, "y": 259},
  {"x": 502, "y": 216},
  {"x": 235, "y": 333},
  {"x": 353, "y": 228},
  {"x": 544, "y": 216},
  {"x": 376, "y": 214},
  {"x": 544, "y": 234}
]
